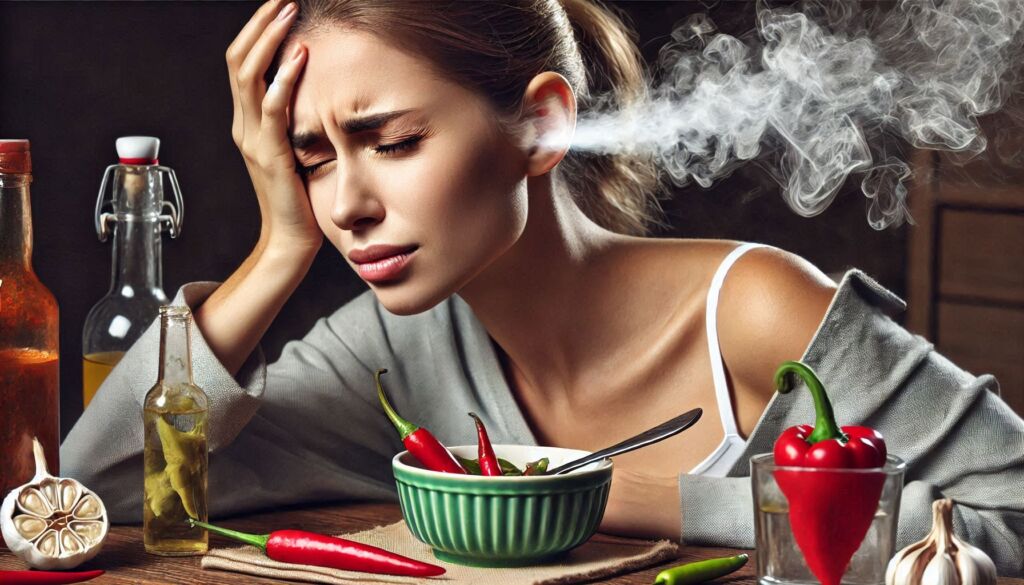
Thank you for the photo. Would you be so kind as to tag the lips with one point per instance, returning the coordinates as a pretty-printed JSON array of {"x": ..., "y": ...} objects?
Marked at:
[
  {"x": 377, "y": 253},
  {"x": 382, "y": 264}
]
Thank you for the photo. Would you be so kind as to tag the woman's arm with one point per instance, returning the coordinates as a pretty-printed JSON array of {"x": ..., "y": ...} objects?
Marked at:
[{"x": 237, "y": 315}]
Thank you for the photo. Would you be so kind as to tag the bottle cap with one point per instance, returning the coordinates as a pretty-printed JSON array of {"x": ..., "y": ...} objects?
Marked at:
[
  {"x": 15, "y": 157},
  {"x": 138, "y": 150}
]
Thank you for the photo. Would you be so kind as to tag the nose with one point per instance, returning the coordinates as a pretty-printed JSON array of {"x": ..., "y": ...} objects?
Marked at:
[{"x": 355, "y": 206}]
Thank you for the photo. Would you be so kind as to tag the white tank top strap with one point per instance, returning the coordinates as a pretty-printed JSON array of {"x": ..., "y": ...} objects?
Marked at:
[{"x": 728, "y": 451}]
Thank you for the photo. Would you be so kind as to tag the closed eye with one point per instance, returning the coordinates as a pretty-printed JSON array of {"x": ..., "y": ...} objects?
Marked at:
[
  {"x": 397, "y": 147},
  {"x": 320, "y": 168},
  {"x": 312, "y": 171}
]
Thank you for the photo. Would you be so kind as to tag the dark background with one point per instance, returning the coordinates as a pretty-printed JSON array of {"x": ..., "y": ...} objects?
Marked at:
[{"x": 74, "y": 76}]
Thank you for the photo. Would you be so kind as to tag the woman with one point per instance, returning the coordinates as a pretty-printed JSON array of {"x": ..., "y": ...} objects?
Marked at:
[{"x": 509, "y": 277}]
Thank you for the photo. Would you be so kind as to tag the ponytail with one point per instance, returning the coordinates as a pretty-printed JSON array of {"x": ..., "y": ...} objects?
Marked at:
[{"x": 618, "y": 192}]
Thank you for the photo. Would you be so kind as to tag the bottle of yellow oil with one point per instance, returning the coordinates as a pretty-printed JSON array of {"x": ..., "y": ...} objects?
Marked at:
[
  {"x": 175, "y": 454},
  {"x": 137, "y": 216}
]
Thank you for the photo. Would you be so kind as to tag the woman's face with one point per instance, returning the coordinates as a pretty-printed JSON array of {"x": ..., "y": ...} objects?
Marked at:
[{"x": 394, "y": 155}]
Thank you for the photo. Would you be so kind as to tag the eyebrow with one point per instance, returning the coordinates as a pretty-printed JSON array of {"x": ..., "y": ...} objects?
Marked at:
[{"x": 303, "y": 140}]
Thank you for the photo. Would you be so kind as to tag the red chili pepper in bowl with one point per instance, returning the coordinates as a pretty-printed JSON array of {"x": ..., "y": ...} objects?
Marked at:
[
  {"x": 310, "y": 548},
  {"x": 485, "y": 452},
  {"x": 419, "y": 441},
  {"x": 46, "y": 577},
  {"x": 830, "y": 507}
]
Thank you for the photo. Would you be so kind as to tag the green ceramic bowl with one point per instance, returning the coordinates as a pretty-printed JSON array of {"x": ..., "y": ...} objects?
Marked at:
[{"x": 503, "y": 521}]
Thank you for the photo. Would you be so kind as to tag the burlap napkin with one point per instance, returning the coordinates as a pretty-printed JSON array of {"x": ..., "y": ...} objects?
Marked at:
[{"x": 601, "y": 556}]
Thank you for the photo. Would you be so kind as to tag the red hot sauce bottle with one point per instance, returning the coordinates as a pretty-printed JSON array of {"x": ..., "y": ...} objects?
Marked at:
[{"x": 29, "y": 391}]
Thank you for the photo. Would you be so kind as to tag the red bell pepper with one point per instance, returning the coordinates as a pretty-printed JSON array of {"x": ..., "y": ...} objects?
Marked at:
[
  {"x": 310, "y": 548},
  {"x": 830, "y": 510},
  {"x": 419, "y": 441}
]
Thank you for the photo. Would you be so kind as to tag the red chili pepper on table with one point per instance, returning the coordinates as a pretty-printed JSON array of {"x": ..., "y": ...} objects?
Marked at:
[
  {"x": 830, "y": 510},
  {"x": 419, "y": 441},
  {"x": 46, "y": 577},
  {"x": 485, "y": 452},
  {"x": 310, "y": 548}
]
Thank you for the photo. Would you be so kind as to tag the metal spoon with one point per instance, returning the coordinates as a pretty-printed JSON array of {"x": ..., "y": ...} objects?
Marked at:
[{"x": 648, "y": 437}]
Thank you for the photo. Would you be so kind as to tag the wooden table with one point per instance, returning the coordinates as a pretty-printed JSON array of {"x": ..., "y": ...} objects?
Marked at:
[{"x": 125, "y": 561}]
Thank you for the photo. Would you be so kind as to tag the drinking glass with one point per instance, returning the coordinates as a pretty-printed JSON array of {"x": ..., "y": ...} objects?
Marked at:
[{"x": 779, "y": 558}]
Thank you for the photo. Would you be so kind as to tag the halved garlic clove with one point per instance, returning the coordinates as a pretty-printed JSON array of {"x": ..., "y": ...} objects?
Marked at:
[
  {"x": 48, "y": 488},
  {"x": 33, "y": 501},
  {"x": 53, "y": 523},
  {"x": 88, "y": 508},
  {"x": 29, "y": 527},
  {"x": 90, "y": 531},
  {"x": 49, "y": 544},
  {"x": 68, "y": 491},
  {"x": 70, "y": 543}
]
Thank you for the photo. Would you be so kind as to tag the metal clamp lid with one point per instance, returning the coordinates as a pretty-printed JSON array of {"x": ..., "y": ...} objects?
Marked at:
[{"x": 171, "y": 221}]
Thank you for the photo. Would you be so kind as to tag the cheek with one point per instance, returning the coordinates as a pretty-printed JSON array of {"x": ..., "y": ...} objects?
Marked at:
[
  {"x": 485, "y": 198},
  {"x": 321, "y": 200}
]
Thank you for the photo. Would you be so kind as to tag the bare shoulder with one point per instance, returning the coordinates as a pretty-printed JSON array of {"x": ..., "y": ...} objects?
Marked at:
[{"x": 770, "y": 307}]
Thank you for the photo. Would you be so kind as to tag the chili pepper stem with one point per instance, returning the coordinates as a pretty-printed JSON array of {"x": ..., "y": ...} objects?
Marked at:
[
  {"x": 258, "y": 540},
  {"x": 825, "y": 426},
  {"x": 405, "y": 428}
]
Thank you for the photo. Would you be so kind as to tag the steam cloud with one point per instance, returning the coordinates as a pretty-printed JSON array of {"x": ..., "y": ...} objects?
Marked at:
[{"x": 827, "y": 89}]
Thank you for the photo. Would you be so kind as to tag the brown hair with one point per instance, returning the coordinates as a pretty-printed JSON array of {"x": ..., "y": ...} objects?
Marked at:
[{"x": 497, "y": 46}]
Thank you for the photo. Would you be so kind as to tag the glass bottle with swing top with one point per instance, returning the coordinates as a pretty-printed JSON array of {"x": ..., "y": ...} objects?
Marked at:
[{"x": 138, "y": 216}]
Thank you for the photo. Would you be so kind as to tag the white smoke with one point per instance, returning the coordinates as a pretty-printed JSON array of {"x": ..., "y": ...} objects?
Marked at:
[{"x": 825, "y": 89}]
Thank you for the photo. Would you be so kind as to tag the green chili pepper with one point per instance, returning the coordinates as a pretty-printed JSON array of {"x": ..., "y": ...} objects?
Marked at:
[
  {"x": 538, "y": 467},
  {"x": 700, "y": 571},
  {"x": 471, "y": 465},
  {"x": 508, "y": 468}
]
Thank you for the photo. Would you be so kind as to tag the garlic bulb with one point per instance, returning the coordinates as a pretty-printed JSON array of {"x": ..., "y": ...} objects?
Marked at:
[
  {"x": 941, "y": 558},
  {"x": 53, "y": 522}
]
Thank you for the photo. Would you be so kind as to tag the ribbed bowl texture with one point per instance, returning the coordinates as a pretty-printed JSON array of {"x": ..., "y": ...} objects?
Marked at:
[{"x": 503, "y": 521}]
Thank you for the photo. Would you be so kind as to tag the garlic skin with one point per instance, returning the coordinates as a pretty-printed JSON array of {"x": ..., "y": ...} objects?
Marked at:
[
  {"x": 941, "y": 558},
  {"x": 53, "y": 522}
]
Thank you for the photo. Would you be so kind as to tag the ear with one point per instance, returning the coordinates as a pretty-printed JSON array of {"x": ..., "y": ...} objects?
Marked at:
[{"x": 549, "y": 107}]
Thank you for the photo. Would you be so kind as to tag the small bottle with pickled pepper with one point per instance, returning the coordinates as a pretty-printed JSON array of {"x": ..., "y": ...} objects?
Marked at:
[
  {"x": 29, "y": 352},
  {"x": 175, "y": 453}
]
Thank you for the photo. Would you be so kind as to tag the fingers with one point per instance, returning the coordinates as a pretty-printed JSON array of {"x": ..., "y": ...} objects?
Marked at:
[
  {"x": 251, "y": 87},
  {"x": 276, "y": 152},
  {"x": 240, "y": 48}
]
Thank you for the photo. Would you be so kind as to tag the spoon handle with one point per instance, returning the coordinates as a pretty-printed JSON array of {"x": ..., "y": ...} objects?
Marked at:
[{"x": 650, "y": 436}]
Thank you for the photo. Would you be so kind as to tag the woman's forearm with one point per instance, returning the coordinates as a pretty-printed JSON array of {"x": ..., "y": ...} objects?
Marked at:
[
  {"x": 643, "y": 506},
  {"x": 235, "y": 317}
]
